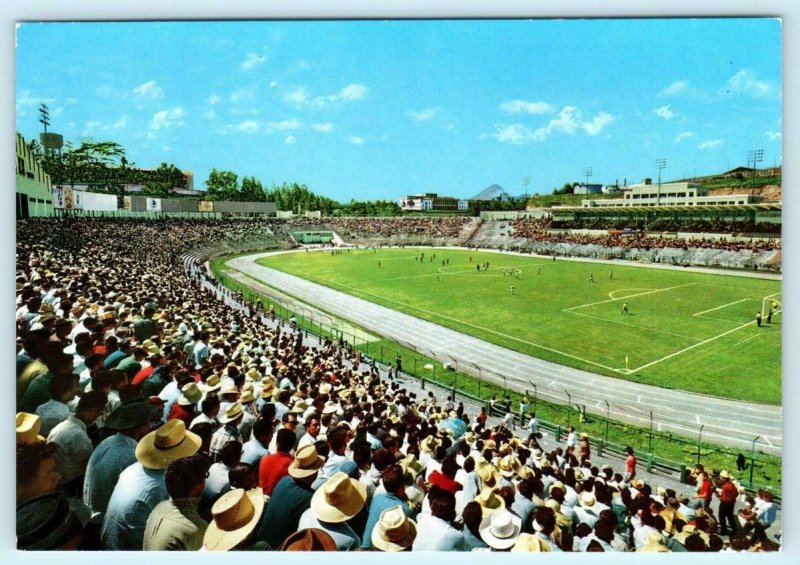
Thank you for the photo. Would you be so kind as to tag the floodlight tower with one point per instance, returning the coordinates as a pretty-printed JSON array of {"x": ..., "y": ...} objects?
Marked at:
[
  {"x": 660, "y": 165},
  {"x": 526, "y": 181},
  {"x": 587, "y": 172},
  {"x": 755, "y": 156}
]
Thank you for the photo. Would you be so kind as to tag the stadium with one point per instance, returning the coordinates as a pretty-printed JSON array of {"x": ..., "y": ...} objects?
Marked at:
[{"x": 269, "y": 369}]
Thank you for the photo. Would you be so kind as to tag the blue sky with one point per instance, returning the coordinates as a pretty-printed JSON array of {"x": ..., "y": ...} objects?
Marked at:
[{"x": 379, "y": 109}]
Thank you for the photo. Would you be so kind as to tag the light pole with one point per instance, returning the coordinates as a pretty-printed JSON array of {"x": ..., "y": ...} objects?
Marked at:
[
  {"x": 755, "y": 156},
  {"x": 526, "y": 181},
  {"x": 660, "y": 165},
  {"x": 587, "y": 172}
]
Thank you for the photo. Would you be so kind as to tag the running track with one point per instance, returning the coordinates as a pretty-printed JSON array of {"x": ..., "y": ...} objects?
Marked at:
[{"x": 728, "y": 422}]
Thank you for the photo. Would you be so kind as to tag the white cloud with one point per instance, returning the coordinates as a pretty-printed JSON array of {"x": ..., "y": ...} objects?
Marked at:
[
  {"x": 745, "y": 82},
  {"x": 773, "y": 135},
  {"x": 285, "y": 125},
  {"x": 210, "y": 114},
  {"x": 324, "y": 128},
  {"x": 165, "y": 148},
  {"x": 517, "y": 106},
  {"x": 514, "y": 133},
  {"x": 423, "y": 115},
  {"x": 273, "y": 84},
  {"x": 356, "y": 140},
  {"x": 120, "y": 123},
  {"x": 71, "y": 101},
  {"x": 297, "y": 96},
  {"x": 97, "y": 125},
  {"x": 600, "y": 121},
  {"x": 94, "y": 124},
  {"x": 353, "y": 92},
  {"x": 149, "y": 89},
  {"x": 710, "y": 144},
  {"x": 290, "y": 139},
  {"x": 165, "y": 119},
  {"x": 243, "y": 94},
  {"x": 57, "y": 111},
  {"x": 683, "y": 135},
  {"x": 213, "y": 100},
  {"x": 26, "y": 99},
  {"x": 664, "y": 112},
  {"x": 252, "y": 60},
  {"x": 674, "y": 88},
  {"x": 247, "y": 126},
  {"x": 568, "y": 121}
]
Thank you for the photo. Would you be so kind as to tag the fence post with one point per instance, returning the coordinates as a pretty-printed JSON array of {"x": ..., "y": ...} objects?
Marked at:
[
  {"x": 650, "y": 443},
  {"x": 753, "y": 460},
  {"x": 699, "y": 438},
  {"x": 608, "y": 412}
]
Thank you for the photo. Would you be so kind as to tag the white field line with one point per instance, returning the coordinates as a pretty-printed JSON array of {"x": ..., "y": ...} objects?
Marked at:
[
  {"x": 635, "y": 326},
  {"x": 628, "y": 296},
  {"x": 709, "y": 340},
  {"x": 721, "y": 307},
  {"x": 748, "y": 339},
  {"x": 488, "y": 330}
]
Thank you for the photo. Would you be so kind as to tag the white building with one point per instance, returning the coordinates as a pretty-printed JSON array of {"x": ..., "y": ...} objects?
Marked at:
[{"x": 668, "y": 194}]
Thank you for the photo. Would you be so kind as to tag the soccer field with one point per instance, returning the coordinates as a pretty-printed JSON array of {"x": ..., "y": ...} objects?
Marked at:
[{"x": 685, "y": 330}]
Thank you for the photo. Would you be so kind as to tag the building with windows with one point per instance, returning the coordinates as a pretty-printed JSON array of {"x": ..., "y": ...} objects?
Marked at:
[
  {"x": 669, "y": 194},
  {"x": 33, "y": 187},
  {"x": 430, "y": 201}
]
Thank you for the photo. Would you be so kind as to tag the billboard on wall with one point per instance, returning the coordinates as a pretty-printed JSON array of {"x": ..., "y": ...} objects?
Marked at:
[
  {"x": 58, "y": 197},
  {"x": 178, "y": 205},
  {"x": 153, "y": 204},
  {"x": 205, "y": 206},
  {"x": 126, "y": 203},
  {"x": 96, "y": 201}
]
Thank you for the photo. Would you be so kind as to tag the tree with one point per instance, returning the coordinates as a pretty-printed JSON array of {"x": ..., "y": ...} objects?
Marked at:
[
  {"x": 252, "y": 190},
  {"x": 222, "y": 185},
  {"x": 36, "y": 149}
]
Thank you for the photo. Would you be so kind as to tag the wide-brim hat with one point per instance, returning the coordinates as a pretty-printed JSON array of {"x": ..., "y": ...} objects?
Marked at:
[
  {"x": 584, "y": 435},
  {"x": 325, "y": 388},
  {"x": 212, "y": 383},
  {"x": 330, "y": 407},
  {"x": 530, "y": 543},
  {"x": 247, "y": 396},
  {"x": 394, "y": 531},
  {"x": 28, "y": 426},
  {"x": 267, "y": 387},
  {"x": 168, "y": 443},
  {"x": 507, "y": 467},
  {"x": 489, "y": 501},
  {"x": 233, "y": 411},
  {"x": 299, "y": 407},
  {"x": 309, "y": 539},
  {"x": 236, "y": 514},
  {"x": 587, "y": 499},
  {"x": 654, "y": 543},
  {"x": 131, "y": 413},
  {"x": 723, "y": 475},
  {"x": 47, "y": 522},
  {"x": 500, "y": 529},
  {"x": 306, "y": 462},
  {"x": 190, "y": 394},
  {"x": 339, "y": 498},
  {"x": 410, "y": 465},
  {"x": 488, "y": 475},
  {"x": 429, "y": 444}
]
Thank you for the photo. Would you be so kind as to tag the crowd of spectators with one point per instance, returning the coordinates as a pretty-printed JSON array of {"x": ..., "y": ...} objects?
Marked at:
[
  {"x": 154, "y": 413},
  {"x": 539, "y": 230},
  {"x": 670, "y": 225},
  {"x": 450, "y": 227}
]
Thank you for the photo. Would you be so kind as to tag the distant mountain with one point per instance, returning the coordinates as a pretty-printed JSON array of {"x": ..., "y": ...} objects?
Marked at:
[{"x": 492, "y": 193}]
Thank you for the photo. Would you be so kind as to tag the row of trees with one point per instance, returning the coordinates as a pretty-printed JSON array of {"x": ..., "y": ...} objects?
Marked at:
[{"x": 104, "y": 167}]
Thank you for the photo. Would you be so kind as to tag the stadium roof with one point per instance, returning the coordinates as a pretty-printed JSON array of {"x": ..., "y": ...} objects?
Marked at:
[
  {"x": 761, "y": 207},
  {"x": 490, "y": 193}
]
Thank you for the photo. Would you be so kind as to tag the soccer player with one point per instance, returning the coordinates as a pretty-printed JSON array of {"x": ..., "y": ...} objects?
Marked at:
[
  {"x": 538, "y": 270},
  {"x": 769, "y": 315},
  {"x": 624, "y": 308},
  {"x": 610, "y": 275},
  {"x": 758, "y": 318},
  {"x": 591, "y": 277},
  {"x": 512, "y": 290}
]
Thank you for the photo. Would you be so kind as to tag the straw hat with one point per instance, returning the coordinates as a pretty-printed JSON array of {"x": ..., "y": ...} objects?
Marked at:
[
  {"x": 299, "y": 407},
  {"x": 429, "y": 444},
  {"x": 410, "y": 465},
  {"x": 559, "y": 485},
  {"x": 28, "y": 426},
  {"x": 190, "y": 394},
  {"x": 500, "y": 529},
  {"x": 529, "y": 543},
  {"x": 228, "y": 387},
  {"x": 310, "y": 539},
  {"x": 267, "y": 387},
  {"x": 168, "y": 443},
  {"x": 507, "y": 466},
  {"x": 724, "y": 475},
  {"x": 394, "y": 531},
  {"x": 253, "y": 374},
  {"x": 524, "y": 472},
  {"x": 489, "y": 501},
  {"x": 587, "y": 499},
  {"x": 325, "y": 388},
  {"x": 306, "y": 462},
  {"x": 236, "y": 514},
  {"x": 247, "y": 396},
  {"x": 654, "y": 543},
  {"x": 490, "y": 444},
  {"x": 339, "y": 499},
  {"x": 584, "y": 435},
  {"x": 330, "y": 407},
  {"x": 212, "y": 383},
  {"x": 233, "y": 411},
  {"x": 488, "y": 475}
]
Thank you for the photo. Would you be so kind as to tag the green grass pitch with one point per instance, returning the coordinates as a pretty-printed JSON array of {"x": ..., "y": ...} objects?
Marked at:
[{"x": 683, "y": 330}]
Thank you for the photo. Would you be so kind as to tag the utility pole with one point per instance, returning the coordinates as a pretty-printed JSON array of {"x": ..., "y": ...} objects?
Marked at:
[
  {"x": 587, "y": 172},
  {"x": 755, "y": 156},
  {"x": 660, "y": 165},
  {"x": 526, "y": 181}
]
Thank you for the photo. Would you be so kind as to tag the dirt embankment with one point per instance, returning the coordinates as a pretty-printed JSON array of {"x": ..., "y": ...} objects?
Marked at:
[{"x": 771, "y": 193}]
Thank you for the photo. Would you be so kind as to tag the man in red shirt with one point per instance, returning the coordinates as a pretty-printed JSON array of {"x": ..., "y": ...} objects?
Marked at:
[
  {"x": 273, "y": 467},
  {"x": 445, "y": 478},
  {"x": 728, "y": 493}
]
